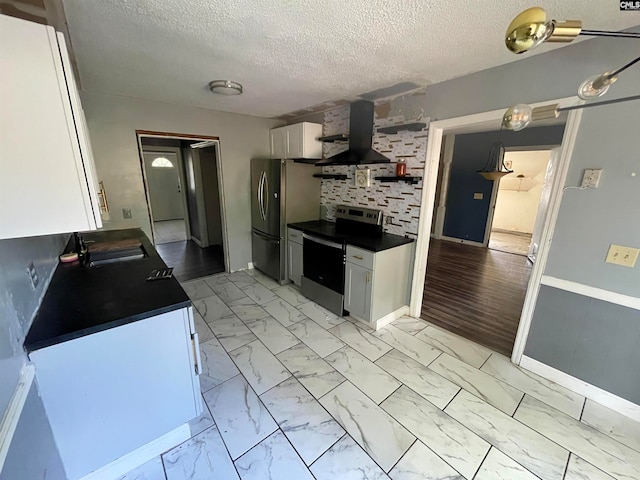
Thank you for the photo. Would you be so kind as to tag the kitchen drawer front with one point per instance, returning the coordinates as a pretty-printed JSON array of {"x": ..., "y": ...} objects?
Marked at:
[
  {"x": 294, "y": 236},
  {"x": 360, "y": 257}
]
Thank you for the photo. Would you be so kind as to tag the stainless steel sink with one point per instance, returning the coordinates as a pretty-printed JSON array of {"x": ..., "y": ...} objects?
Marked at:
[{"x": 116, "y": 256}]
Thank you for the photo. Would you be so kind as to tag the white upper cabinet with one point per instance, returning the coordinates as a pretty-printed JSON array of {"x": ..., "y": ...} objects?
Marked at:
[
  {"x": 47, "y": 175},
  {"x": 297, "y": 141}
]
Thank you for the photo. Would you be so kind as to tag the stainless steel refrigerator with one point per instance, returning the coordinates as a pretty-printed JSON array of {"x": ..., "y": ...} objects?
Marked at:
[{"x": 282, "y": 192}]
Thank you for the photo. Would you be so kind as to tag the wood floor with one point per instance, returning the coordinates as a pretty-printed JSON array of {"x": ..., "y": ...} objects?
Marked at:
[
  {"x": 190, "y": 261},
  {"x": 475, "y": 292}
]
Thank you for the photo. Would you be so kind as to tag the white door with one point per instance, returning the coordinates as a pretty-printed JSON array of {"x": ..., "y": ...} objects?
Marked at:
[
  {"x": 295, "y": 141},
  {"x": 165, "y": 190},
  {"x": 295, "y": 263},
  {"x": 278, "y": 143},
  {"x": 543, "y": 206},
  {"x": 357, "y": 291}
]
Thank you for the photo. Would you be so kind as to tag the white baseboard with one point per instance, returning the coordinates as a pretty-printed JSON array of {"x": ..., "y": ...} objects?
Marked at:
[
  {"x": 142, "y": 455},
  {"x": 12, "y": 414},
  {"x": 196, "y": 241},
  {"x": 464, "y": 242},
  {"x": 609, "y": 400},
  {"x": 387, "y": 319}
]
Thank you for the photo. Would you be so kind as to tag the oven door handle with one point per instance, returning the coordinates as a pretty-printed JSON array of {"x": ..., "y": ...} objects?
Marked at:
[{"x": 322, "y": 241}]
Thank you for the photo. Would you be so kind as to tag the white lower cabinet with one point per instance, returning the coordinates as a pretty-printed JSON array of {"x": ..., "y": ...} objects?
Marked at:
[
  {"x": 294, "y": 256},
  {"x": 376, "y": 284},
  {"x": 112, "y": 392},
  {"x": 357, "y": 290}
]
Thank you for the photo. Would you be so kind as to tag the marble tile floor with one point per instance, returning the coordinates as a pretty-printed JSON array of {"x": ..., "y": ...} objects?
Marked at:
[{"x": 291, "y": 391}]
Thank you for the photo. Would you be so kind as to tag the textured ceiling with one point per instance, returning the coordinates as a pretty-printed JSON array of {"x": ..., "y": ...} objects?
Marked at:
[{"x": 290, "y": 54}]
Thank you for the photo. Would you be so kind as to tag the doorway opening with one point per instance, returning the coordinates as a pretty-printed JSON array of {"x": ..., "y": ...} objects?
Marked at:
[
  {"x": 185, "y": 199},
  {"x": 518, "y": 202},
  {"x": 459, "y": 283}
]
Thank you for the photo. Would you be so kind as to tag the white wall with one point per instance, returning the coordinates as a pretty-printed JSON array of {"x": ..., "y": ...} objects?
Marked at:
[
  {"x": 113, "y": 121},
  {"x": 516, "y": 210}
]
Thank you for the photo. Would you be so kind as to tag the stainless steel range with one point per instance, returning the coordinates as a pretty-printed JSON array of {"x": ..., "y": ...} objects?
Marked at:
[{"x": 324, "y": 254}]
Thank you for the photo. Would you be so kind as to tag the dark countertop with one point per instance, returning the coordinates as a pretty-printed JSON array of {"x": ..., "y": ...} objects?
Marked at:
[
  {"x": 325, "y": 229},
  {"x": 81, "y": 301}
]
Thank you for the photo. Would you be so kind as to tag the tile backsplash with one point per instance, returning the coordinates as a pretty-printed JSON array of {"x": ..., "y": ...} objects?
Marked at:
[{"x": 399, "y": 201}]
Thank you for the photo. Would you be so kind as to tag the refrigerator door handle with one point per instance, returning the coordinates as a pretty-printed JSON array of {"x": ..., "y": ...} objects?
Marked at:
[
  {"x": 260, "y": 195},
  {"x": 266, "y": 196},
  {"x": 265, "y": 237}
]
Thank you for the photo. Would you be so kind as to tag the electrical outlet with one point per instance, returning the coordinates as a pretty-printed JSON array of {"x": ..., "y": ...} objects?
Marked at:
[
  {"x": 621, "y": 255},
  {"x": 33, "y": 275},
  {"x": 126, "y": 213},
  {"x": 478, "y": 196},
  {"x": 591, "y": 178}
]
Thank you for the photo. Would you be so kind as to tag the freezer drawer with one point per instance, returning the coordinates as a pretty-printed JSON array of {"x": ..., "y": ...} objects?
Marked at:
[{"x": 268, "y": 255}]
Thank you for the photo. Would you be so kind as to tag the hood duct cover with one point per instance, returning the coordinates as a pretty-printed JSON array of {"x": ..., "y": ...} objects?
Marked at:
[{"x": 360, "y": 139}]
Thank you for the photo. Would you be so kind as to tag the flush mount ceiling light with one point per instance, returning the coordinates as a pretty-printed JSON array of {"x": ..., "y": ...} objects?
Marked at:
[
  {"x": 531, "y": 28},
  {"x": 225, "y": 87},
  {"x": 495, "y": 168}
]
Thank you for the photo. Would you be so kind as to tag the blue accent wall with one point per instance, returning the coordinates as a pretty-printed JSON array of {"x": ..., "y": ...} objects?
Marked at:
[{"x": 466, "y": 218}]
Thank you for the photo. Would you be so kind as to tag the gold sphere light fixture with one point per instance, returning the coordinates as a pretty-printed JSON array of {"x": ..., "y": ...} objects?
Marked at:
[
  {"x": 531, "y": 28},
  {"x": 519, "y": 116}
]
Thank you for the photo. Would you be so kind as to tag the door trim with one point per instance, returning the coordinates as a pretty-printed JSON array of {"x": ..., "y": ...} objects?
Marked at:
[
  {"x": 480, "y": 122},
  {"x": 176, "y": 136},
  {"x": 205, "y": 138}
]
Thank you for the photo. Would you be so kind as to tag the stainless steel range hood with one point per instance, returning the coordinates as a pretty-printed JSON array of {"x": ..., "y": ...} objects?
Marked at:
[{"x": 360, "y": 139}]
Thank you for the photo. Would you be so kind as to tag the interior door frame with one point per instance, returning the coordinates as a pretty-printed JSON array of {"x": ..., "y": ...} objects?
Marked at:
[
  {"x": 200, "y": 195},
  {"x": 482, "y": 122},
  {"x": 202, "y": 138},
  {"x": 183, "y": 196}
]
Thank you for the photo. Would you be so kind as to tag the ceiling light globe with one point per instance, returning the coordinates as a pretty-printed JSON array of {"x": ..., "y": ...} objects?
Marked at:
[
  {"x": 528, "y": 30},
  {"x": 517, "y": 117},
  {"x": 595, "y": 86}
]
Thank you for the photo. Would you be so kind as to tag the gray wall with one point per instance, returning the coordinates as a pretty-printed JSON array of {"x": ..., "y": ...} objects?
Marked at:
[
  {"x": 465, "y": 217},
  {"x": 113, "y": 121},
  {"x": 33, "y": 453},
  {"x": 590, "y": 339},
  {"x": 589, "y": 220},
  {"x": 18, "y": 305}
]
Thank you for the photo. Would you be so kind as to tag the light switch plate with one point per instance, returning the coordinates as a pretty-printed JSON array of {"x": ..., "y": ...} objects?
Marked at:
[
  {"x": 621, "y": 255},
  {"x": 591, "y": 178}
]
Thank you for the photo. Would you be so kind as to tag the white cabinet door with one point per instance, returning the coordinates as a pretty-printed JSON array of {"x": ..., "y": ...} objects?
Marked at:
[
  {"x": 295, "y": 263},
  {"x": 295, "y": 141},
  {"x": 111, "y": 392},
  {"x": 357, "y": 291},
  {"x": 278, "y": 142},
  {"x": 46, "y": 172}
]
